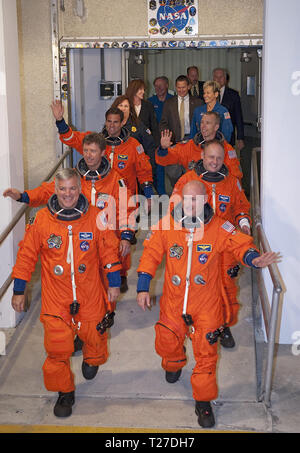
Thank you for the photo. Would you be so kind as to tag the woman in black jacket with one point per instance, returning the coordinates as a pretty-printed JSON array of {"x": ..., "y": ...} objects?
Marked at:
[
  {"x": 137, "y": 129},
  {"x": 144, "y": 109}
]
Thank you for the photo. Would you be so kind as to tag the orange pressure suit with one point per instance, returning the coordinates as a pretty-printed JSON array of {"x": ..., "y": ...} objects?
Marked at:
[
  {"x": 126, "y": 155},
  {"x": 204, "y": 302},
  {"x": 229, "y": 202},
  {"x": 188, "y": 153},
  {"x": 103, "y": 188},
  {"x": 51, "y": 235}
]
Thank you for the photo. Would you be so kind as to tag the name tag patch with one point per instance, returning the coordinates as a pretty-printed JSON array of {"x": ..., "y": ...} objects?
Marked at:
[
  {"x": 224, "y": 198},
  {"x": 204, "y": 248},
  {"x": 85, "y": 236}
]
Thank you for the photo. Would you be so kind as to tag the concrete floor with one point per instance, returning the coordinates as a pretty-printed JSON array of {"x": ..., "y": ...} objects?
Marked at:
[{"x": 130, "y": 391}]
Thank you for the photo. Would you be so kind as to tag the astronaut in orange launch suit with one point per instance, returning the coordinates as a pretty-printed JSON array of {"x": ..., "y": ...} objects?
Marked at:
[
  {"x": 72, "y": 247},
  {"x": 227, "y": 198},
  {"x": 102, "y": 186},
  {"x": 187, "y": 153},
  {"x": 191, "y": 303}
]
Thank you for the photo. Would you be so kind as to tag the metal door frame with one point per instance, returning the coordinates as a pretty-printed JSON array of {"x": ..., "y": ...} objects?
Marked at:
[{"x": 60, "y": 47}]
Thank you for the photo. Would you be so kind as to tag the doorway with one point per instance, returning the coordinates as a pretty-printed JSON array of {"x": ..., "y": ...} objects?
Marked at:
[{"x": 114, "y": 68}]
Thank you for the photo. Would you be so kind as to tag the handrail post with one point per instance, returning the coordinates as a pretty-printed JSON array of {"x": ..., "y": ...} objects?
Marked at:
[
  {"x": 271, "y": 345},
  {"x": 270, "y": 317}
]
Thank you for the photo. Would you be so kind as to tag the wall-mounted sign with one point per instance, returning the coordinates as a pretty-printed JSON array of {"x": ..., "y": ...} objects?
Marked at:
[{"x": 172, "y": 18}]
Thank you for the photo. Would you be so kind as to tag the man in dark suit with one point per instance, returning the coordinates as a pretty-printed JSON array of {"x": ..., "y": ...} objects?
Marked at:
[
  {"x": 177, "y": 117},
  {"x": 231, "y": 100},
  {"x": 196, "y": 88}
]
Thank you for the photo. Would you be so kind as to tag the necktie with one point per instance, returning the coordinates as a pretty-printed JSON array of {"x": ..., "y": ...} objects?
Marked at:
[
  {"x": 195, "y": 93},
  {"x": 181, "y": 117}
]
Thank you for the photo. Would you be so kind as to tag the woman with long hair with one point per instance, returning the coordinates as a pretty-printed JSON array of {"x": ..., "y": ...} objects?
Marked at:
[
  {"x": 137, "y": 129},
  {"x": 144, "y": 109}
]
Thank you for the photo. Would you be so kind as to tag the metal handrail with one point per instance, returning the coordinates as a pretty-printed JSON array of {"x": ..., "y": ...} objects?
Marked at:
[
  {"x": 270, "y": 315},
  {"x": 20, "y": 213}
]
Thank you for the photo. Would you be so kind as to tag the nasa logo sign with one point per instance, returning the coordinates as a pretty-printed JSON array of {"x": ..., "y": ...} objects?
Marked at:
[{"x": 173, "y": 18}]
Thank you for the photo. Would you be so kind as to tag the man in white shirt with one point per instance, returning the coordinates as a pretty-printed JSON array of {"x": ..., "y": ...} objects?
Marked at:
[{"x": 177, "y": 118}]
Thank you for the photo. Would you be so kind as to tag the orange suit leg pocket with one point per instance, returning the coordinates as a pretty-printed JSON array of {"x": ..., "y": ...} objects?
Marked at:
[
  {"x": 59, "y": 345},
  {"x": 203, "y": 379},
  {"x": 95, "y": 351},
  {"x": 169, "y": 345}
]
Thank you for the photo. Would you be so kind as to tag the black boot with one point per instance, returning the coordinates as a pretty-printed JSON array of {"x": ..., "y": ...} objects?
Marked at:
[
  {"x": 124, "y": 286},
  {"x": 226, "y": 338},
  {"x": 63, "y": 406},
  {"x": 89, "y": 371},
  {"x": 205, "y": 414},
  {"x": 173, "y": 376}
]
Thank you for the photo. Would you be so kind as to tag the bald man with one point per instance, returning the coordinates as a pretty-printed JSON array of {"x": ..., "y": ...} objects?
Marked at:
[
  {"x": 229, "y": 202},
  {"x": 192, "y": 239}
]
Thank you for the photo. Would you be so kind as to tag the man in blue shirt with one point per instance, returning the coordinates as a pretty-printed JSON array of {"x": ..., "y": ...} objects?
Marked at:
[{"x": 161, "y": 85}]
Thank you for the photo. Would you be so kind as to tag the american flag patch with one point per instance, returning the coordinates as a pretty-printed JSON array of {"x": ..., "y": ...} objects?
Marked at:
[
  {"x": 227, "y": 115},
  {"x": 140, "y": 149},
  {"x": 232, "y": 154},
  {"x": 228, "y": 227}
]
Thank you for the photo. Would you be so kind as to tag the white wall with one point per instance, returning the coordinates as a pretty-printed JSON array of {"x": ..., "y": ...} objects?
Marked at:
[
  {"x": 88, "y": 110},
  {"x": 280, "y": 195},
  {"x": 11, "y": 156}
]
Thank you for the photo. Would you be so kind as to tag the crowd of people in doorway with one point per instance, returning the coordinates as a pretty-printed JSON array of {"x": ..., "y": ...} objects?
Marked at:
[{"x": 184, "y": 145}]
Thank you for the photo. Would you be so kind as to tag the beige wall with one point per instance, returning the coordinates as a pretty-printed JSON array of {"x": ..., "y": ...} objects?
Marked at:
[
  {"x": 36, "y": 89},
  {"x": 102, "y": 18},
  {"x": 215, "y": 17}
]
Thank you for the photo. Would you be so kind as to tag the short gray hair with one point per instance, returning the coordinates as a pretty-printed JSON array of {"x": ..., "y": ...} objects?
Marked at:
[{"x": 67, "y": 173}]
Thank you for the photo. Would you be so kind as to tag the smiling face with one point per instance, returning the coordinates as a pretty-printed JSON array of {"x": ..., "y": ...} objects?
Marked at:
[
  {"x": 194, "y": 197},
  {"x": 125, "y": 108},
  {"x": 182, "y": 88},
  {"x": 208, "y": 127},
  {"x": 140, "y": 93},
  {"x": 67, "y": 191},
  {"x": 113, "y": 125},
  {"x": 209, "y": 95},
  {"x": 161, "y": 88},
  {"x": 213, "y": 157},
  {"x": 92, "y": 155}
]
